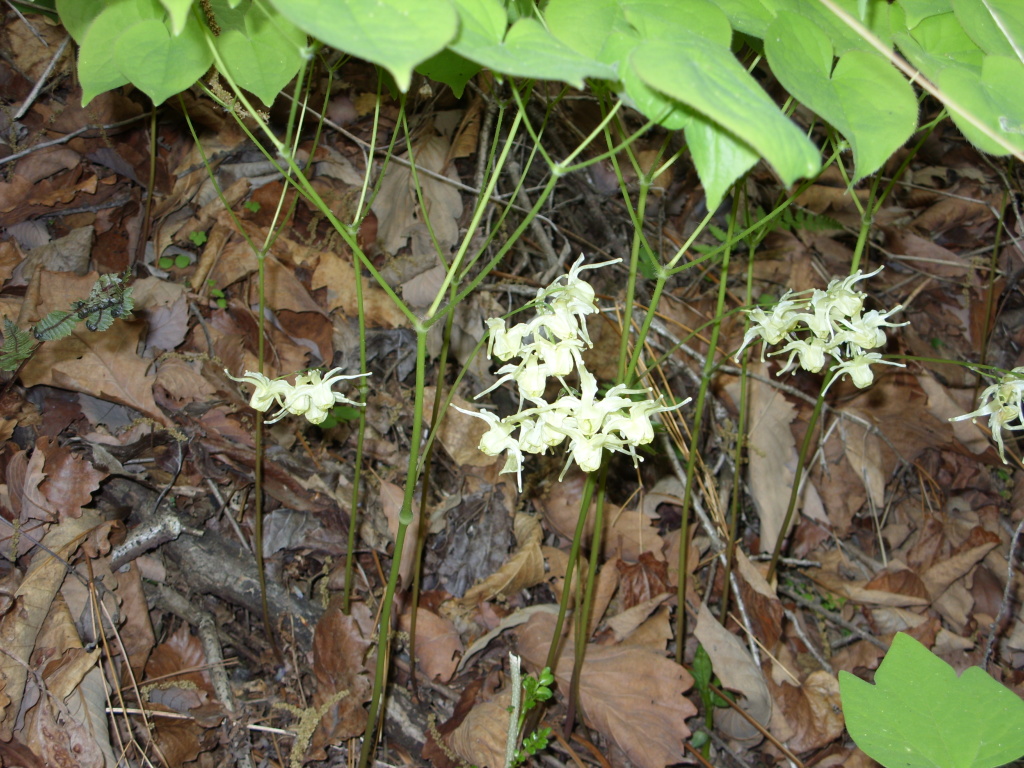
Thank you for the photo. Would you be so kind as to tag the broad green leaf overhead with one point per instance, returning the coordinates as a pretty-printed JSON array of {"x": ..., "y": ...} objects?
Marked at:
[
  {"x": 527, "y": 49},
  {"x": 751, "y": 17},
  {"x": 997, "y": 98},
  {"x": 708, "y": 78},
  {"x": 157, "y": 63},
  {"x": 98, "y": 70},
  {"x": 261, "y": 49},
  {"x": 864, "y": 97},
  {"x": 916, "y": 10},
  {"x": 396, "y": 34},
  {"x": 996, "y": 26},
  {"x": 77, "y": 15},
  {"x": 719, "y": 157},
  {"x": 944, "y": 43},
  {"x": 449, "y": 68},
  {"x": 919, "y": 714},
  {"x": 177, "y": 12}
]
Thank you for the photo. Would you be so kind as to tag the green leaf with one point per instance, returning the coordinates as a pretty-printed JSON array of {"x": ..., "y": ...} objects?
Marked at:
[
  {"x": 719, "y": 157},
  {"x": 177, "y": 12},
  {"x": 751, "y": 17},
  {"x": 181, "y": 261},
  {"x": 996, "y": 98},
  {"x": 996, "y": 26},
  {"x": 707, "y": 77},
  {"x": 165, "y": 262},
  {"x": 17, "y": 347},
  {"x": 78, "y": 15},
  {"x": 98, "y": 70},
  {"x": 942, "y": 42},
  {"x": 56, "y": 325},
  {"x": 161, "y": 65},
  {"x": 526, "y": 50},
  {"x": 396, "y": 34},
  {"x": 919, "y": 714},
  {"x": 451, "y": 69},
  {"x": 261, "y": 49},
  {"x": 917, "y": 10},
  {"x": 865, "y": 98}
]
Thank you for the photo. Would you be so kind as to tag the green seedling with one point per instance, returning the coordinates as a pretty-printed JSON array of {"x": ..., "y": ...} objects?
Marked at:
[
  {"x": 252, "y": 206},
  {"x": 198, "y": 238},
  {"x": 536, "y": 690},
  {"x": 920, "y": 714},
  {"x": 217, "y": 295},
  {"x": 180, "y": 261}
]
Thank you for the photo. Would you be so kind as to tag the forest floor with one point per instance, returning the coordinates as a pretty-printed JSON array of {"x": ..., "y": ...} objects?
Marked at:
[{"x": 130, "y": 614}]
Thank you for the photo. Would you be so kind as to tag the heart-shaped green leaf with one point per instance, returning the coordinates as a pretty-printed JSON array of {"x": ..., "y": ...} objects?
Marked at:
[
  {"x": 396, "y": 34},
  {"x": 865, "y": 98},
  {"x": 159, "y": 64},
  {"x": 261, "y": 49},
  {"x": 919, "y": 714},
  {"x": 527, "y": 49}
]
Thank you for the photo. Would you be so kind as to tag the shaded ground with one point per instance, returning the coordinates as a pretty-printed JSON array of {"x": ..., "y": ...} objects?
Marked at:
[{"x": 130, "y": 454}]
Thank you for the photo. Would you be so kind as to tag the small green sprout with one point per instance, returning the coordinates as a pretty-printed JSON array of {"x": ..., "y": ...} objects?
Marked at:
[
  {"x": 217, "y": 295},
  {"x": 198, "y": 238},
  {"x": 252, "y": 206},
  {"x": 180, "y": 261}
]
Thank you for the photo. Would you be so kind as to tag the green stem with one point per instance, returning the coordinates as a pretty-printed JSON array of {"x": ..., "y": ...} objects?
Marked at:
[
  {"x": 405, "y": 517},
  {"x": 691, "y": 459}
]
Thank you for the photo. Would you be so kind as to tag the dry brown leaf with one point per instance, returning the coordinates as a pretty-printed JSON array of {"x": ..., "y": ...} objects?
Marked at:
[
  {"x": 480, "y": 738},
  {"x": 335, "y": 273},
  {"x": 438, "y": 645},
  {"x": 943, "y": 573},
  {"x": 736, "y": 669},
  {"x": 184, "y": 689},
  {"x": 624, "y": 625},
  {"x": 20, "y": 626},
  {"x": 807, "y": 716},
  {"x": 633, "y": 695},
  {"x": 628, "y": 533},
  {"x": 643, "y": 580},
  {"x": 398, "y": 211},
  {"x": 102, "y": 364},
  {"x": 773, "y": 458},
  {"x": 341, "y": 662},
  {"x": 523, "y": 569},
  {"x": 763, "y": 605},
  {"x": 460, "y": 434}
]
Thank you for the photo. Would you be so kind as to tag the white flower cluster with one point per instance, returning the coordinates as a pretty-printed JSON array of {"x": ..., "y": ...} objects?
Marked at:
[
  {"x": 551, "y": 346},
  {"x": 827, "y": 323},
  {"x": 1001, "y": 402},
  {"x": 310, "y": 396}
]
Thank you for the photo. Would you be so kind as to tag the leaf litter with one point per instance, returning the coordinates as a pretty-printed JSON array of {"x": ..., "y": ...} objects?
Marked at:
[{"x": 132, "y": 440}]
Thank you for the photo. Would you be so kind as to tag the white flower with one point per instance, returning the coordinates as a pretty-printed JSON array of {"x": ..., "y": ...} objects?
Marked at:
[
  {"x": 266, "y": 392},
  {"x": 1001, "y": 402},
  {"x": 311, "y": 395},
  {"x": 833, "y": 326},
  {"x": 859, "y": 368},
  {"x": 551, "y": 346}
]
